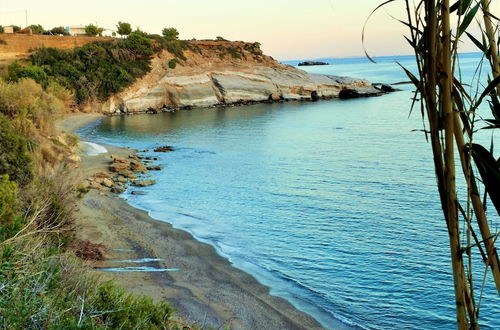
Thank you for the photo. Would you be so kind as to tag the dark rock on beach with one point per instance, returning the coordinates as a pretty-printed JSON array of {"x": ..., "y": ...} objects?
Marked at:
[{"x": 139, "y": 193}]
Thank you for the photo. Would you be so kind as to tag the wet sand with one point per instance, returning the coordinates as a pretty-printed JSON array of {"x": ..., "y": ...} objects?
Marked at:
[{"x": 206, "y": 290}]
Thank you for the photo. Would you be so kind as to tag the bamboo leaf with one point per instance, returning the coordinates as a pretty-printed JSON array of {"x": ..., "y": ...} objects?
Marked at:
[
  {"x": 461, "y": 6},
  {"x": 464, "y": 5},
  {"x": 491, "y": 86},
  {"x": 495, "y": 105},
  {"x": 467, "y": 20},
  {"x": 364, "y": 27},
  {"x": 410, "y": 75},
  {"x": 489, "y": 170},
  {"x": 477, "y": 43}
]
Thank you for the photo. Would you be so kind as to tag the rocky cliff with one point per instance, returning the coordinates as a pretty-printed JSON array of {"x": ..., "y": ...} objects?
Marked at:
[{"x": 225, "y": 73}]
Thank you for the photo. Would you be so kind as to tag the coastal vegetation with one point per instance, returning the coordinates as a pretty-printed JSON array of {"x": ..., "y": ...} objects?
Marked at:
[
  {"x": 42, "y": 283},
  {"x": 92, "y": 72},
  {"x": 123, "y": 29},
  {"x": 451, "y": 109}
]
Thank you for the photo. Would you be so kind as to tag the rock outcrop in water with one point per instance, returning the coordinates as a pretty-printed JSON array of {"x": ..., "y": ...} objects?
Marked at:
[
  {"x": 209, "y": 76},
  {"x": 312, "y": 63}
]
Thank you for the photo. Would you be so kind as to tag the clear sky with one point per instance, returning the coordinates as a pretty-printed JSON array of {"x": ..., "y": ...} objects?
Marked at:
[{"x": 287, "y": 29}]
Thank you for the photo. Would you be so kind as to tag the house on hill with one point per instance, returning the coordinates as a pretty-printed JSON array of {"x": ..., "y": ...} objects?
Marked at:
[
  {"x": 76, "y": 30},
  {"x": 8, "y": 29}
]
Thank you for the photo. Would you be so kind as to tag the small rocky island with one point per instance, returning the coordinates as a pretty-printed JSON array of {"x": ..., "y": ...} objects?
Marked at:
[{"x": 312, "y": 63}]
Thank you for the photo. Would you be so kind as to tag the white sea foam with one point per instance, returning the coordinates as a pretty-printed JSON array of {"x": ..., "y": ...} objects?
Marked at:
[{"x": 92, "y": 149}]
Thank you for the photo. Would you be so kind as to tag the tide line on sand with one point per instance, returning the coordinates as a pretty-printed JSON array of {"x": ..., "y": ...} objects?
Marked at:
[{"x": 92, "y": 149}]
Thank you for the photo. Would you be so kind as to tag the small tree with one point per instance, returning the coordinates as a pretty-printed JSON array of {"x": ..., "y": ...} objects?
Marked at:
[
  {"x": 16, "y": 28},
  {"x": 170, "y": 33},
  {"x": 59, "y": 30},
  {"x": 123, "y": 29},
  {"x": 91, "y": 30},
  {"x": 36, "y": 29}
]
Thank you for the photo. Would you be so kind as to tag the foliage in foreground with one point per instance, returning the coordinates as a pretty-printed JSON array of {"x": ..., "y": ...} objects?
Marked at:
[
  {"x": 42, "y": 285},
  {"x": 450, "y": 108},
  {"x": 41, "y": 288}
]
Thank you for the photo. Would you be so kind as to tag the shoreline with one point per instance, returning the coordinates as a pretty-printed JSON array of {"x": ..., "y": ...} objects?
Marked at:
[{"x": 207, "y": 290}]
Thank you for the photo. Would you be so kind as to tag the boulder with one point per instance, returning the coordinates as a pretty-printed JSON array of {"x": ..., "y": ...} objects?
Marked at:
[
  {"x": 137, "y": 166},
  {"x": 107, "y": 182},
  {"x": 154, "y": 168},
  {"x": 128, "y": 174},
  {"x": 118, "y": 189},
  {"x": 121, "y": 179},
  {"x": 164, "y": 149},
  {"x": 118, "y": 167},
  {"x": 102, "y": 175},
  {"x": 136, "y": 192},
  {"x": 117, "y": 159},
  {"x": 95, "y": 185},
  {"x": 143, "y": 183}
]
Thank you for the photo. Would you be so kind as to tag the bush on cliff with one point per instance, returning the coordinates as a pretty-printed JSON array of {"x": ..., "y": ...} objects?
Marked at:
[
  {"x": 9, "y": 208},
  {"x": 170, "y": 33},
  {"x": 14, "y": 158},
  {"x": 123, "y": 29}
]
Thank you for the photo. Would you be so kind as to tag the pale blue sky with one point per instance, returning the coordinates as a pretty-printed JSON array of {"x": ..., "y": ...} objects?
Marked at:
[{"x": 286, "y": 29}]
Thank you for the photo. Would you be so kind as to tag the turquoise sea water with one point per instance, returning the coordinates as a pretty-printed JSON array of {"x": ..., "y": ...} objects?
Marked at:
[{"x": 332, "y": 204}]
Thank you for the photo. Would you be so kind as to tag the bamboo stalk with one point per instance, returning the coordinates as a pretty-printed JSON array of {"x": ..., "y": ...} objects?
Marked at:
[
  {"x": 450, "y": 184},
  {"x": 477, "y": 204},
  {"x": 490, "y": 34}
]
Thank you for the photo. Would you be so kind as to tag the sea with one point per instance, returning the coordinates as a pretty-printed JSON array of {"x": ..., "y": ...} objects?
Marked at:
[{"x": 332, "y": 204}]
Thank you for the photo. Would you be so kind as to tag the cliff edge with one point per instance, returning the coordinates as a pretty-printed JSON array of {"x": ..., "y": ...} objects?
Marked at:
[{"x": 224, "y": 73}]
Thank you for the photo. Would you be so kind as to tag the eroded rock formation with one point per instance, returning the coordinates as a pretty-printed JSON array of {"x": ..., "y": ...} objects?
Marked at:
[{"x": 212, "y": 76}]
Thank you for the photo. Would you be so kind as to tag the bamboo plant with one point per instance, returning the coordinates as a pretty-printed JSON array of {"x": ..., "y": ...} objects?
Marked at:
[{"x": 436, "y": 29}]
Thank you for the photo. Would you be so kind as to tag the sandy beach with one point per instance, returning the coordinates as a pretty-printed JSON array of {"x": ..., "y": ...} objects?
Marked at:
[{"x": 206, "y": 290}]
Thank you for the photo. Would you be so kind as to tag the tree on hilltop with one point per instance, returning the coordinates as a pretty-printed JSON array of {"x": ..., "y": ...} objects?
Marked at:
[
  {"x": 170, "y": 33},
  {"x": 123, "y": 29},
  {"x": 36, "y": 29},
  {"x": 58, "y": 30},
  {"x": 93, "y": 30}
]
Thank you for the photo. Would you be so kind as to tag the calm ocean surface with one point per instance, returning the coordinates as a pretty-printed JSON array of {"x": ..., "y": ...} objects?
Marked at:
[{"x": 332, "y": 204}]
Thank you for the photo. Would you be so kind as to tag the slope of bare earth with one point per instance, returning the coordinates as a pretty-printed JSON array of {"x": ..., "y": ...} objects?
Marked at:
[{"x": 211, "y": 75}]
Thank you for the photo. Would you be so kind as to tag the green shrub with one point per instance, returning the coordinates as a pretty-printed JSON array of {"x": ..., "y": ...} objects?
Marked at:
[
  {"x": 46, "y": 291},
  {"x": 18, "y": 71},
  {"x": 123, "y": 29},
  {"x": 14, "y": 158},
  {"x": 59, "y": 30},
  {"x": 91, "y": 30},
  {"x": 234, "y": 52},
  {"x": 170, "y": 34},
  {"x": 30, "y": 108},
  {"x": 36, "y": 29},
  {"x": 172, "y": 63},
  {"x": 8, "y": 201}
]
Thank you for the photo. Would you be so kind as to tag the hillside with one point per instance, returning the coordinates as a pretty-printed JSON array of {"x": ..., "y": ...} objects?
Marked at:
[
  {"x": 16, "y": 46},
  {"x": 225, "y": 73}
]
